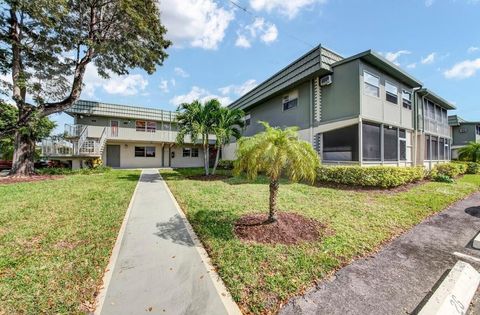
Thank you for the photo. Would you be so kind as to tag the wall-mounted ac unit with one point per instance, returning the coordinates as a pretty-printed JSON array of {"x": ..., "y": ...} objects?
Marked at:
[{"x": 326, "y": 80}]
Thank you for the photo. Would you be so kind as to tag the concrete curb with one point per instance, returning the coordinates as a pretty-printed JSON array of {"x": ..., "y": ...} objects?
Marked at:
[
  {"x": 455, "y": 293},
  {"x": 107, "y": 276},
  {"x": 227, "y": 300}
]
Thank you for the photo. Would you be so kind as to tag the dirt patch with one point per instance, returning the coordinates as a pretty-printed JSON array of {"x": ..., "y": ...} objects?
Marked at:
[
  {"x": 35, "y": 178},
  {"x": 290, "y": 229},
  {"x": 67, "y": 245},
  {"x": 208, "y": 178}
]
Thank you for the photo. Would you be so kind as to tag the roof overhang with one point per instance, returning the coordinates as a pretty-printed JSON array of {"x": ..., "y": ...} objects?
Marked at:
[
  {"x": 378, "y": 61},
  {"x": 436, "y": 98}
]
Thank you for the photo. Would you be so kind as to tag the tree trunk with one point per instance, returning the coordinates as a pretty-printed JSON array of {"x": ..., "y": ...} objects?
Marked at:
[
  {"x": 205, "y": 158},
  {"x": 216, "y": 161},
  {"x": 23, "y": 156},
  {"x": 272, "y": 215}
]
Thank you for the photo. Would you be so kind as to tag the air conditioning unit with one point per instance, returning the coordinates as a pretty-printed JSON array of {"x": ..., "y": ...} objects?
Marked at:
[{"x": 326, "y": 80}]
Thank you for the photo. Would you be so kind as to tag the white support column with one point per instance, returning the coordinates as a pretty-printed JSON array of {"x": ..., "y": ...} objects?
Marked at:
[
  {"x": 360, "y": 142},
  {"x": 76, "y": 164}
]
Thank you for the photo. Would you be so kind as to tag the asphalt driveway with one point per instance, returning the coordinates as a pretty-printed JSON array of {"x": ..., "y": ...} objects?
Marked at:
[{"x": 397, "y": 279}]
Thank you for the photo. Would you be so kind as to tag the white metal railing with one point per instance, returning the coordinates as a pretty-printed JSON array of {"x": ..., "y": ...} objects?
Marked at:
[
  {"x": 51, "y": 147},
  {"x": 74, "y": 130}
]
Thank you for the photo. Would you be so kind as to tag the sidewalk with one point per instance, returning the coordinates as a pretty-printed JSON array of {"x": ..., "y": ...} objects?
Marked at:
[
  {"x": 160, "y": 268},
  {"x": 397, "y": 279}
]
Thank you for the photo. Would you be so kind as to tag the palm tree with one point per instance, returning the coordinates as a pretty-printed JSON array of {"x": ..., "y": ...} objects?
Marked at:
[
  {"x": 197, "y": 120},
  {"x": 228, "y": 125},
  {"x": 276, "y": 152},
  {"x": 470, "y": 152}
]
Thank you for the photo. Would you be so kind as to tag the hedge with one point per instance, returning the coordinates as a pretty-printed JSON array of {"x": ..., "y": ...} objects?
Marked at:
[
  {"x": 375, "y": 176},
  {"x": 69, "y": 171},
  {"x": 451, "y": 170},
  {"x": 225, "y": 165}
]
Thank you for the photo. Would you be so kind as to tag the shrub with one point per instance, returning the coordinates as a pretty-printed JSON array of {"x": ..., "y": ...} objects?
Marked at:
[
  {"x": 94, "y": 162},
  {"x": 443, "y": 179},
  {"x": 375, "y": 176},
  {"x": 451, "y": 170},
  {"x": 68, "y": 171},
  {"x": 473, "y": 168},
  {"x": 225, "y": 165}
]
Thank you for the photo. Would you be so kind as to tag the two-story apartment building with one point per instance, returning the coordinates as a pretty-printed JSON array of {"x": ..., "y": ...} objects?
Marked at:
[
  {"x": 123, "y": 136},
  {"x": 358, "y": 110},
  {"x": 463, "y": 132}
]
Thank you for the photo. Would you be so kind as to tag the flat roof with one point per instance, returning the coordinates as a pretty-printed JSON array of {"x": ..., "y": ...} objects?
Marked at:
[
  {"x": 92, "y": 108},
  {"x": 377, "y": 60},
  {"x": 436, "y": 98}
]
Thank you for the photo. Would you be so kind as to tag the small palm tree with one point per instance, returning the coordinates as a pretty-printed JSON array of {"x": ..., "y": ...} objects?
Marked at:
[
  {"x": 197, "y": 120},
  {"x": 470, "y": 152},
  {"x": 276, "y": 152},
  {"x": 228, "y": 125}
]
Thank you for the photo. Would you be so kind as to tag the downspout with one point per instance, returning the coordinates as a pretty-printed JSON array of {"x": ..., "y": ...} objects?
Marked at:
[
  {"x": 415, "y": 138},
  {"x": 311, "y": 112}
]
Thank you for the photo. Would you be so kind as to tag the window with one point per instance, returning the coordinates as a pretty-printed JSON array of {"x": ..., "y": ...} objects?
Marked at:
[
  {"x": 428, "y": 149},
  {"x": 289, "y": 103},
  {"x": 186, "y": 152},
  {"x": 371, "y": 142},
  {"x": 194, "y": 152},
  {"x": 371, "y": 84},
  {"x": 166, "y": 126},
  {"x": 447, "y": 148},
  {"x": 402, "y": 136},
  {"x": 151, "y": 126},
  {"x": 150, "y": 151},
  {"x": 478, "y": 130},
  {"x": 247, "y": 119},
  {"x": 390, "y": 144},
  {"x": 140, "y": 125},
  {"x": 139, "y": 151},
  {"x": 391, "y": 93},
  {"x": 434, "y": 148},
  {"x": 144, "y": 151},
  {"x": 341, "y": 144},
  {"x": 407, "y": 99}
]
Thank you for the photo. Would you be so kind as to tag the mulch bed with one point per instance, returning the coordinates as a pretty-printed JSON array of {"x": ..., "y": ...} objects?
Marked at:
[
  {"x": 35, "y": 178},
  {"x": 290, "y": 229},
  {"x": 208, "y": 178}
]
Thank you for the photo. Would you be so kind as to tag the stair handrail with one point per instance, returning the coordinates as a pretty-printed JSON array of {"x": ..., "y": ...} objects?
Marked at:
[
  {"x": 81, "y": 140},
  {"x": 103, "y": 140}
]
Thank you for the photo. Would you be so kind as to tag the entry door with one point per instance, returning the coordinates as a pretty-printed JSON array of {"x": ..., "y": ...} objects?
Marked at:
[
  {"x": 113, "y": 155},
  {"x": 114, "y": 128}
]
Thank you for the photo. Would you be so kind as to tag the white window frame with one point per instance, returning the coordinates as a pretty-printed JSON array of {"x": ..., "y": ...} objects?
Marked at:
[
  {"x": 390, "y": 93},
  {"x": 408, "y": 101},
  {"x": 290, "y": 97}
]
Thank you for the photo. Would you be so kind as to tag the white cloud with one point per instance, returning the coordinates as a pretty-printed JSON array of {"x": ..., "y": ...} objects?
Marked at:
[
  {"x": 181, "y": 73},
  {"x": 393, "y": 56},
  {"x": 197, "y": 93},
  {"x": 429, "y": 59},
  {"x": 240, "y": 89},
  {"x": 125, "y": 85},
  {"x": 473, "y": 49},
  {"x": 412, "y": 65},
  {"x": 198, "y": 23},
  {"x": 429, "y": 3},
  {"x": 288, "y": 8},
  {"x": 463, "y": 70},
  {"x": 242, "y": 41},
  {"x": 266, "y": 31},
  {"x": 163, "y": 86}
]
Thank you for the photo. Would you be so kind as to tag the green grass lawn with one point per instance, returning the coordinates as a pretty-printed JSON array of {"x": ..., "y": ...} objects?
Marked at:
[
  {"x": 55, "y": 240},
  {"x": 261, "y": 277}
]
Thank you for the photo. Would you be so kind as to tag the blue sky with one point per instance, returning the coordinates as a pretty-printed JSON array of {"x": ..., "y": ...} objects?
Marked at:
[{"x": 222, "y": 51}]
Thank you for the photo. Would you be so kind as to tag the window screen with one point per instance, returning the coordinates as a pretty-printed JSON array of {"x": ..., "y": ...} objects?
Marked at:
[
  {"x": 139, "y": 151},
  {"x": 341, "y": 144},
  {"x": 371, "y": 84},
  {"x": 194, "y": 152},
  {"x": 407, "y": 99},
  {"x": 150, "y": 151},
  {"x": 289, "y": 104},
  {"x": 371, "y": 142},
  {"x": 441, "y": 147},
  {"x": 186, "y": 152},
  {"x": 390, "y": 144},
  {"x": 434, "y": 148},
  {"x": 403, "y": 144},
  {"x": 428, "y": 153}
]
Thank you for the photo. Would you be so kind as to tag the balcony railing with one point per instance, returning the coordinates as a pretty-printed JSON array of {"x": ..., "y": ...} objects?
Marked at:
[{"x": 74, "y": 131}]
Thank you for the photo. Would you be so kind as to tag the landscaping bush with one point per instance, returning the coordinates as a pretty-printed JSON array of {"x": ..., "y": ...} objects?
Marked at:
[
  {"x": 375, "y": 176},
  {"x": 443, "y": 179},
  {"x": 451, "y": 170},
  {"x": 94, "y": 162},
  {"x": 68, "y": 171},
  {"x": 473, "y": 168},
  {"x": 225, "y": 165}
]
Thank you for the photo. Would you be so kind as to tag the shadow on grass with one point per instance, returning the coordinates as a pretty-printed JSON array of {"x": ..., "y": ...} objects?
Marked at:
[
  {"x": 130, "y": 177},
  {"x": 214, "y": 224}
]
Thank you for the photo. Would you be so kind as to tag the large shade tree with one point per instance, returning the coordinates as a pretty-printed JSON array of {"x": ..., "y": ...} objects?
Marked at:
[
  {"x": 46, "y": 45},
  {"x": 470, "y": 152},
  {"x": 276, "y": 153},
  {"x": 228, "y": 126},
  {"x": 197, "y": 121}
]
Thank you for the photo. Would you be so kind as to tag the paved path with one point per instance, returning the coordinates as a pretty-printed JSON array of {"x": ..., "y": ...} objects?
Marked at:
[
  {"x": 159, "y": 268},
  {"x": 397, "y": 279}
]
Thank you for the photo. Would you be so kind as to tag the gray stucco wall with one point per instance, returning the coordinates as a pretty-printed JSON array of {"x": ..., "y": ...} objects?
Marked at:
[
  {"x": 272, "y": 111},
  {"x": 341, "y": 99}
]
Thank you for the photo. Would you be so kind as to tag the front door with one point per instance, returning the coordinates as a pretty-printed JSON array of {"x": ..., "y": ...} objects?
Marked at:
[
  {"x": 114, "y": 128},
  {"x": 113, "y": 155}
]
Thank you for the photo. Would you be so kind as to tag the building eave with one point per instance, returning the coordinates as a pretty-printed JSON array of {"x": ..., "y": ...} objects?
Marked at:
[{"x": 436, "y": 98}]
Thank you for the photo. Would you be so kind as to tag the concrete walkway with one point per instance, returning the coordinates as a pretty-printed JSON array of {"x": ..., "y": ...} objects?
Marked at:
[
  {"x": 158, "y": 266},
  {"x": 398, "y": 278}
]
